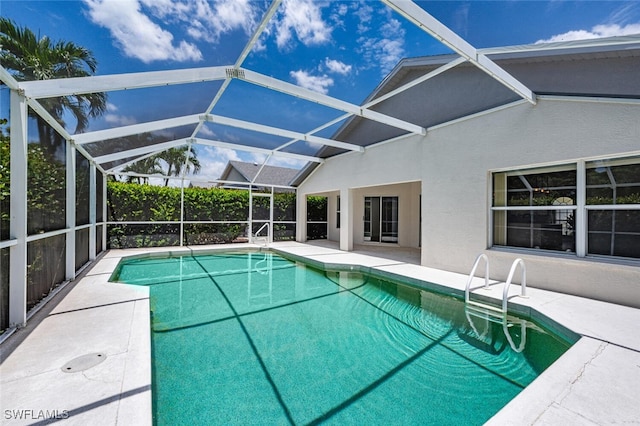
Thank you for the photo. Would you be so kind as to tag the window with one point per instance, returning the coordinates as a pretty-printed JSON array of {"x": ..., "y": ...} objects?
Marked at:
[
  {"x": 613, "y": 198},
  {"x": 587, "y": 208},
  {"x": 535, "y": 209},
  {"x": 338, "y": 213}
]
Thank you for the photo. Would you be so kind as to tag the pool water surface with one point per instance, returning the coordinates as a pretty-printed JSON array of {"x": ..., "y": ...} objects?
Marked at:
[{"x": 254, "y": 338}]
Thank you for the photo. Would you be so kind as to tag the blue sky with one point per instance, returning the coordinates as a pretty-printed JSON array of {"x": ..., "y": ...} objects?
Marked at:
[{"x": 343, "y": 49}]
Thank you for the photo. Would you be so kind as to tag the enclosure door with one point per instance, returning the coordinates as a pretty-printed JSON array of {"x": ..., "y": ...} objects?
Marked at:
[
  {"x": 262, "y": 213},
  {"x": 381, "y": 219}
]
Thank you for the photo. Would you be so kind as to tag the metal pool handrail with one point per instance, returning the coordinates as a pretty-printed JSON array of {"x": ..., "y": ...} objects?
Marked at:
[
  {"x": 505, "y": 290},
  {"x": 473, "y": 272},
  {"x": 266, "y": 225},
  {"x": 523, "y": 282}
]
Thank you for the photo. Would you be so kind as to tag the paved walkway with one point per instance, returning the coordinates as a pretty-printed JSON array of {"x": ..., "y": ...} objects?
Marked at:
[{"x": 96, "y": 322}]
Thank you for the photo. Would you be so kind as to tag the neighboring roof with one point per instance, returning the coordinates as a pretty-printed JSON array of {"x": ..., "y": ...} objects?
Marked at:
[{"x": 269, "y": 175}]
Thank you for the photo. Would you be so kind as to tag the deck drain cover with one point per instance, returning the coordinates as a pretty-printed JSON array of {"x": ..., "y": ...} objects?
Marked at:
[{"x": 83, "y": 362}]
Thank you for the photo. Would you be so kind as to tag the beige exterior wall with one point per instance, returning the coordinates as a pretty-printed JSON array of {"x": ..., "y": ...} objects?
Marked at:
[{"x": 454, "y": 164}]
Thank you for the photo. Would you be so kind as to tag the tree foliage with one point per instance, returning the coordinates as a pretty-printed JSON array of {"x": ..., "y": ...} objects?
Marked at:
[{"x": 30, "y": 57}]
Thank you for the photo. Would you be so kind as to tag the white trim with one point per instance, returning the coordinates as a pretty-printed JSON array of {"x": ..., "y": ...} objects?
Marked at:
[
  {"x": 261, "y": 128},
  {"x": 563, "y": 45},
  {"x": 42, "y": 236},
  {"x": 580, "y": 217},
  {"x": 566, "y": 162},
  {"x": 536, "y": 208},
  {"x": 612, "y": 207},
  {"x": 590, "y": 99},
  {"x": 134, "y": 129},
  {"x": 246, "y": 148},
  {"x": 154, "y": 148},
  {"x": 8, "y": 243},
  {"x": 39, "y": 89}
]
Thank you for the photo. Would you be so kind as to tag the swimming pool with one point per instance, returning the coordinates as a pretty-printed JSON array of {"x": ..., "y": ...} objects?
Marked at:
[{"x": 254, "y": 338}]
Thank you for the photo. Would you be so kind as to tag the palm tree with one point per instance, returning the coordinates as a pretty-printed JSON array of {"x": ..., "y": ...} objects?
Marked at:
[
  {"x": 31, "y": 57},
  {"x": 179, "y": 160},
  {"x": 146, "y": 166}
]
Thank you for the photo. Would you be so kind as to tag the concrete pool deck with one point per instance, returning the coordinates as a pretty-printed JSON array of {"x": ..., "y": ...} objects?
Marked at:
[{"x": 596, "y": 382}]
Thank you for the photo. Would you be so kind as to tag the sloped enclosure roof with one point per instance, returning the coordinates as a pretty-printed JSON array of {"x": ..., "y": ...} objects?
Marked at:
[
  {"x": 604, "y": 68},
  {"x": 419, "y": 93}
]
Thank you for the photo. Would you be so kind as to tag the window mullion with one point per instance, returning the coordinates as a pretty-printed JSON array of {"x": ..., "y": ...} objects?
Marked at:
[{"x": 580, "y": 212}]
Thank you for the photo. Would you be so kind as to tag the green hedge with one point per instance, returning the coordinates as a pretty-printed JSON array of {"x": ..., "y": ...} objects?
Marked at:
[{"x": 132, "y": 202}]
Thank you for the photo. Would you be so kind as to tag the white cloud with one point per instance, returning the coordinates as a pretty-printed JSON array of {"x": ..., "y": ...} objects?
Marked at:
[
  {"x": 364, "y": 12},
  {"x": 303, "y": 17},
  {"x": 115, "y": 119},
  {"x": 208, "y": 21},
  {"x": 205, "y": 131},
  {"x": 599, "y": 31},
  {"x": 337, "y": 67},
  {"x": 137, "y": 35},
  {"x": 214, "y": 160},
  {"x": 320, "y": 83},
  {"x": 144, "y": 29},
  {"x": 386, "y": 50},
  {"x": 119, "y": 120},
  {"x": 461, "y": 19}
]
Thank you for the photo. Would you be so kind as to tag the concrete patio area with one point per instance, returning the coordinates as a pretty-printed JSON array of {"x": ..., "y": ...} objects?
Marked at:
[{"x": 85, "y": 357}]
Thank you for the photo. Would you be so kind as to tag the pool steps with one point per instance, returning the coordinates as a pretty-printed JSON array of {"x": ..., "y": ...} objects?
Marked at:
[
  {"x": 505, "y": 290},
  {"x": 491, "y": 313}
]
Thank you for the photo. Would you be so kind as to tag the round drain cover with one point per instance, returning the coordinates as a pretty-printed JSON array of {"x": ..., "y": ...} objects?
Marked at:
[{"x": 83, "y": 362}]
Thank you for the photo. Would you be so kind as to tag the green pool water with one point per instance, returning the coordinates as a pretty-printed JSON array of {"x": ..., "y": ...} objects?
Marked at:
[{"x": 254, "y": 338}]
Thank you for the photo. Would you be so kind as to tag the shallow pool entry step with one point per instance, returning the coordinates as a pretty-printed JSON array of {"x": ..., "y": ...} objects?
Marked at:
[{"x": 84, "y": 362}]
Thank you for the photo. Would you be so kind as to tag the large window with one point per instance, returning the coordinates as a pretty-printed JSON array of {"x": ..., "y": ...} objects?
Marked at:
[
  {"x": 613, "y": 197},
  {"x": 587, "y": 208}
]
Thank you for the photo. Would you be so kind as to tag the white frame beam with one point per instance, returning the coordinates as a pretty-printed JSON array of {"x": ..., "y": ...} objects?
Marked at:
[
  {"x": 309, "y": 95},
  {"x": 134, "y": 129},
  {"x": 150, "y": 149},
  {"x": 18, "y": 213},
  {"x": 261, "y": 128},
  {"x": 92, "y": 211},
  {"x": 70, "y": 202},
  {"x": 39, "y": 89},
  {"x": 246, "y": 148},
  {"x": 413, "y": 83},
  {"x": 443, "y": 34}
]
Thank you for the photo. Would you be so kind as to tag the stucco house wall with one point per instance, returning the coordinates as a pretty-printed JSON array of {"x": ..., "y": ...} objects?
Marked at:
[{"x": 454, "y": 162}]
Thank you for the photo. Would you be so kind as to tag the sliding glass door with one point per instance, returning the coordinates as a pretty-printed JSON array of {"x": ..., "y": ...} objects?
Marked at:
[{"x": 381, "y": 219}]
